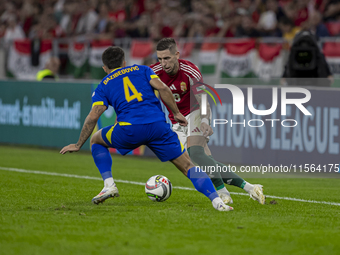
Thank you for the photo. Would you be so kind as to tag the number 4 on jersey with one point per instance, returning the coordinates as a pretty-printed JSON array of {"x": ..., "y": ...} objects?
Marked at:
[{"x": 129, "y": 86}]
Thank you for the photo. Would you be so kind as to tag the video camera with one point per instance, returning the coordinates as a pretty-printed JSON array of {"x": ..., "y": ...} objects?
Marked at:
[{"x": 306, "y": 61}]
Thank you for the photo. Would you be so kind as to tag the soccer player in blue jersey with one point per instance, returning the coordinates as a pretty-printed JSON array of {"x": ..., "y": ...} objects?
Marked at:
[{"x": 140, "y": 121}]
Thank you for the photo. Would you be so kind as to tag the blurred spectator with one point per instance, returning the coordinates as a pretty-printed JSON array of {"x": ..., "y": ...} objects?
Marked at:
[
  {"x": 273, "y": 5},
  {"x": 88, "y": 19},
  {"x": 9, "y": 11},
  {"x": 288, "y": 29},
  {"x": 183, "y": 25},
  {"x": 2, "y": 29},
  {"x": 70, "y": 16},
  {"x": 268, "y": 21},
  {"x": 247, "y": 28},
  {"x": 154, "y": 31},
  {"x": 332, "y": 10},
  {"x": 290, "y": 10},
  {"x": 211, "y": 30},
  {"x": 150, "y": 6},
  {"x": 102, "y": 18},
  {"x": 51, "y": 70},
  {"x": 46, "y": 26},
  {"x": 134, "y": 8},
  {"x": 316, "y": 25},
  {"x": 110, "y": 31},
  {"x": 230, "y": 25},
  {"x": 117, "y": 11},
  {"x": 13, "y": 30},
  {"x": 166, "y": 18},
  {"x": 196, "y": 30},
  {"x": 140, "y": 28},
  {"x": 302, "y": 12},
  {"x": 29, "y": 14},
  {"x": 298, "y": 11}
]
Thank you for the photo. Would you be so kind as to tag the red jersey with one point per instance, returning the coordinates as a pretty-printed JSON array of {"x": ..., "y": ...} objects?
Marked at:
[{"x": 181, "y": 85}]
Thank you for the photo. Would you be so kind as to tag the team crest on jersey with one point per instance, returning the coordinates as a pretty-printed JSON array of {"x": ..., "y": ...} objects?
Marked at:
[{"x": 183, "y": 86}]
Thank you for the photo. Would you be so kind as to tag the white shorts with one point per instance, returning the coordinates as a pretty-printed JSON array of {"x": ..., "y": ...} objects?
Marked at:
[{"x": 193, "y": 128}]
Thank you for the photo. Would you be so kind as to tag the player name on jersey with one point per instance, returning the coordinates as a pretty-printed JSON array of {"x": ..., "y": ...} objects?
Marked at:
[{"x": 123, "y": 71}]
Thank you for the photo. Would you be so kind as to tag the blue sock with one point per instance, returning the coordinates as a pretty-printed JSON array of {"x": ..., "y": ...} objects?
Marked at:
[
  {"x": 202, "y": 182},
  {"x": 102, "y": 159}
]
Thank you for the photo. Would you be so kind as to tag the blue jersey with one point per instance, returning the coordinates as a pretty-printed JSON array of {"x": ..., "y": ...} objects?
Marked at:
[{"x": 129, "y": 91}]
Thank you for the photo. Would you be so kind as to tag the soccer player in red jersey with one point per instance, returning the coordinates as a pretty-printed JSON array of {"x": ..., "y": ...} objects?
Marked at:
[{"x": 184, "y": 78}]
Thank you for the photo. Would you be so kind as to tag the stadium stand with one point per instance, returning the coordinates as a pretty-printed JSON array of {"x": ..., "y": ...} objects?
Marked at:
[
  {"x": 155, "y": 19},
  {"x": 76, "y": 27}
]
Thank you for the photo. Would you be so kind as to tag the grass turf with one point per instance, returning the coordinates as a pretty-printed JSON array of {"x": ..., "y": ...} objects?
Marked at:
[{"x": 42, "y": 214}]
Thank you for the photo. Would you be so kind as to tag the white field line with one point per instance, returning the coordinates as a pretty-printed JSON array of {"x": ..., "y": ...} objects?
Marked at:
[{"x": 142, "y": 184}]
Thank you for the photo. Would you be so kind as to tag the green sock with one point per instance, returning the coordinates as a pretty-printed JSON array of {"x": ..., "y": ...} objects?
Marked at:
[
  {"x": 198, "y": 155},
  {"x": 230, "y": 177}
]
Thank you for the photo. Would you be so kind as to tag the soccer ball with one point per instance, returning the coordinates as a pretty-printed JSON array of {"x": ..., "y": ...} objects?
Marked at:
[{"x": 158, "y": 188}]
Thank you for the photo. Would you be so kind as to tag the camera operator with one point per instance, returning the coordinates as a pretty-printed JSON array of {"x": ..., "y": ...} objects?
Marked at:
[{"x": 306, "y": 64}]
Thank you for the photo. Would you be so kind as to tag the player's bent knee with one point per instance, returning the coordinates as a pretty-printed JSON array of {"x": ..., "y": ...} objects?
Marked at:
[
  {"x": 183, "y": 163},
  {"x": 196, "y": 152},
  {"x": 97, "y": 139}
]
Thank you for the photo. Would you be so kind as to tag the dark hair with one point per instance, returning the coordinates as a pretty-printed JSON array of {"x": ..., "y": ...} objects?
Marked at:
[
  {"x": 167, "y": 44},
  {"x": 113, "y": 57}
]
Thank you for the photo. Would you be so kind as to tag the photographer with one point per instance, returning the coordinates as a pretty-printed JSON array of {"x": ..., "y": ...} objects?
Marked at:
[{"x": 306, "y": 64}]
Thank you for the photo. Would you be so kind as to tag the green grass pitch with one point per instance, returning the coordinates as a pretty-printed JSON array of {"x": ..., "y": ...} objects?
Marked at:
[{"x": 45, "y": 214}]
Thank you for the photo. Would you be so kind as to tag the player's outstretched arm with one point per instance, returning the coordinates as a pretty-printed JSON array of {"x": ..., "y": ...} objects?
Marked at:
[
  {"x": 86, "y": 131},
  {"x": 169, "y": 100}
]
